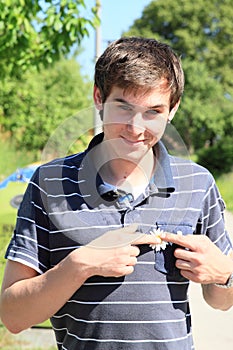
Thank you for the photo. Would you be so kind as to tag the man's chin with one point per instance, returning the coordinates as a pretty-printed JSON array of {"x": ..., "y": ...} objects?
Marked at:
[{"x": 131, "y": 156}]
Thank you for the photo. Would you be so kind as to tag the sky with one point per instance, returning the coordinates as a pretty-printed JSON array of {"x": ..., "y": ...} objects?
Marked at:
[{"x": 116, "y": 17}]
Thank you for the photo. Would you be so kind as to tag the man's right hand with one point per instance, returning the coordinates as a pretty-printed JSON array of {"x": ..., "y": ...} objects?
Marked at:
[
  {"x": 24, "y": 292},
  {"x": 113, "y": 254}
]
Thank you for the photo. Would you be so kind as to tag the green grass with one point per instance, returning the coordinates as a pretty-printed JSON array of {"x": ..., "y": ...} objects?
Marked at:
[
  {"x": 225, "y": 185},
  {"x": 11, "y": 159},
  {"x": 8, "y": 213},
  {"x": 7, "y": 217}
]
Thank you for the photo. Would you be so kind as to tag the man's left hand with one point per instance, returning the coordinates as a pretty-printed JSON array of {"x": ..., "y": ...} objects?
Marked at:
[{"x": 200, "y": 260}]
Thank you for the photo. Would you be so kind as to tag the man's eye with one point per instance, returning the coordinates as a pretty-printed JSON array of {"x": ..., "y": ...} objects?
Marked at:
[
  {"x": 152, "y": 113},
  {"x": 125, "y": 107}
]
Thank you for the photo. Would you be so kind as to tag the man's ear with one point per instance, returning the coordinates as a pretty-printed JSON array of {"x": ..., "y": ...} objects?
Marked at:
[
  {"x": 97, "y": 98},
  {"x": 173, "y": 111}
]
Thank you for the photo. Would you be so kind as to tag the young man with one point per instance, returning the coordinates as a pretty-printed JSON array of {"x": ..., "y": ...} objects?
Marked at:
[{"x": 75, "y": 256}]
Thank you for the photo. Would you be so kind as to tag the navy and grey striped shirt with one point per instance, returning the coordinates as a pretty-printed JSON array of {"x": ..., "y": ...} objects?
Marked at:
[{"x": 68, "y": 205}]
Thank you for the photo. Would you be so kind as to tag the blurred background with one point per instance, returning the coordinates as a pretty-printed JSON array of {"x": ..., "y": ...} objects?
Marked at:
[{"x": 48, "y": 51}]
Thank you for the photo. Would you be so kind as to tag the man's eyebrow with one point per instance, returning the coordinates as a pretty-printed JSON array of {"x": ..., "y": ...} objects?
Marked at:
[
  {"x": 121, "y": 100},
  {"x": 157, "y": 106}
]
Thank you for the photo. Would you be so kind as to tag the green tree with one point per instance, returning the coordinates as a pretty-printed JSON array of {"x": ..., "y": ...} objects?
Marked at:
[
  {"x": 201, "y": 119},
  {"x": 33, "y": 107},
  {"x": 35, "y": 33},
  {"x": 201, "y": 32}
]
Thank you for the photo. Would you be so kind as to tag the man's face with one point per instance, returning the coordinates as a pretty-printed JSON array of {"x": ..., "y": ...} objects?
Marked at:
[{"x": 133, "y": 124}]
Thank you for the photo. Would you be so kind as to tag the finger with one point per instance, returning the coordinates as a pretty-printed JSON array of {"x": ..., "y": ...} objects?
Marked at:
[
  {"x": 134, "y": 250},
  {"x": 183, "y": 265},
  {"x": 189, "y": 275},
  {"x": 132, "y": 261},
  {"x": 116, "y": 238},
  {"x": 146, "y": 239},
  {"x": 121, "y": 237},
  {"x": 184, "y": 241},
  {"x": 184, "y": 254},
  {"x": 123, "y": 271}
]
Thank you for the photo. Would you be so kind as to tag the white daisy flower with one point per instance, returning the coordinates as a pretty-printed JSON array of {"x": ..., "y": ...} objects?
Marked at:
[{"x": 158, "y": 246}]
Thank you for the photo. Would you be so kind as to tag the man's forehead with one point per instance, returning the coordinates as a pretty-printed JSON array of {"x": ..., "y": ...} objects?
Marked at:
[
  {"x": 142, "y": 96},
  {"x": 161, "y": 86}
]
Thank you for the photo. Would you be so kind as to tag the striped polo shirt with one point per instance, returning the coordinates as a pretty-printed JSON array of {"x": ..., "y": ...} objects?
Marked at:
[{"x": 67, "y": 205}]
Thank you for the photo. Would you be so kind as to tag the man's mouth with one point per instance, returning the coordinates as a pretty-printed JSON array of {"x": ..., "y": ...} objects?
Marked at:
[{"x": 132, "y": 142}]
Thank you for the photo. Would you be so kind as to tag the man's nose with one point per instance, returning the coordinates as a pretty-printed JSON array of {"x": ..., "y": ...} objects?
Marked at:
[{"x": 136, "y": 123}]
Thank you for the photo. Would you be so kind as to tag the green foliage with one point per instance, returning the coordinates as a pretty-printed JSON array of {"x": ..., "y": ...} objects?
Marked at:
[
  {"x": 201, "y": 33},
  {"x": 33, "y": 107},
  {"x": 203, "y": 114},
  {"x": 35, "y": 33},
  {"x": 224, "y": 183},
  {"x": 219, "y": 157},
  {"x": 11, "y": 159}
]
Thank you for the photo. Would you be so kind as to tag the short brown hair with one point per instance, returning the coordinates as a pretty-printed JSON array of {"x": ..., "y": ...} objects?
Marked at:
[{"x": 135, "y": 63}]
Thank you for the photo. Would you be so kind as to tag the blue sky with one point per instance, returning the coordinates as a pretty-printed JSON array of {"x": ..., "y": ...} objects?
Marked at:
[{"x": 116, "y": 17}]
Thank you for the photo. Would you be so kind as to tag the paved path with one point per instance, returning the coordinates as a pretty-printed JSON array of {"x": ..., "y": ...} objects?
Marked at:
[
  {"x": 36, "y": 338},
  {"x": 212, "y": 329}
]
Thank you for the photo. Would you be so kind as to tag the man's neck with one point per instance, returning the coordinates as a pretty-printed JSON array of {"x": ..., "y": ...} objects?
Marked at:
[{"x": 125, "y": 174}]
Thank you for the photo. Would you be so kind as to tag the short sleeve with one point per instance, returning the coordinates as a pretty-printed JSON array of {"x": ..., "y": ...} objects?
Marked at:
[
  {"x": 30, "y": 242},
  {"x": 212, "y": 221}
]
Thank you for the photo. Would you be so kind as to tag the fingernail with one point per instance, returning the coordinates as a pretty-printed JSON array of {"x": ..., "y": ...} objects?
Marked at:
[{"x": 162, "y": 234}]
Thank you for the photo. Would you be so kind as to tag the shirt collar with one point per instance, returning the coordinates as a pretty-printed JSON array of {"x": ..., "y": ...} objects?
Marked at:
[
  {"x": 161, "y": 184},
  {"x": 162, "y": 181}
]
